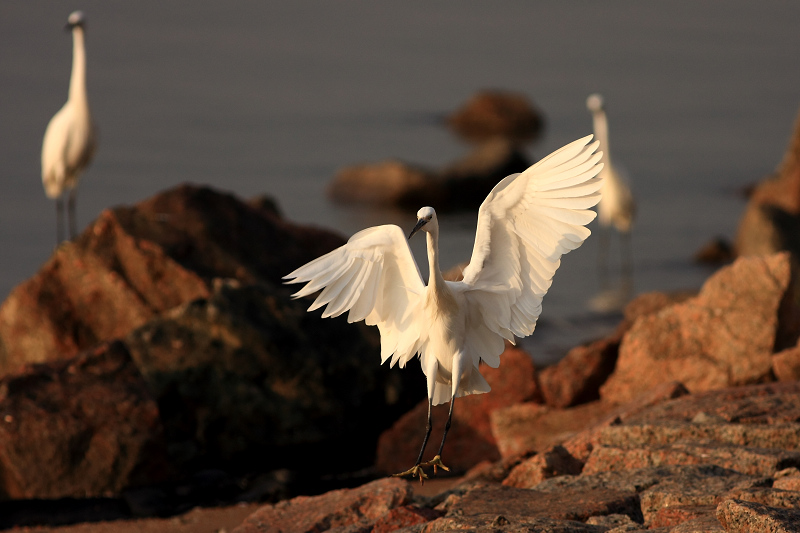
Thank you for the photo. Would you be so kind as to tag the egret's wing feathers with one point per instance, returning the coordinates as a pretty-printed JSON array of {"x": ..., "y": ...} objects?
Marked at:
[
  {"x": 525, "y": 225},
  {"x": 375, "y": 278}
]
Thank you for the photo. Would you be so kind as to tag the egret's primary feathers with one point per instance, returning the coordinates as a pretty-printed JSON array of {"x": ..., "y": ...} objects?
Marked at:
[
  {"x": 69, "y": 140},
  {"x": 525, "y": 225}
]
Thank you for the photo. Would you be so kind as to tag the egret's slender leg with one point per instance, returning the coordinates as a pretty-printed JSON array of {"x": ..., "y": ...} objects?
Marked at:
[
  {"x": 437, "y": 460},
  {"x": 73, "y": 226},
  {"x": 416, "y": 470},
  {"x": 59, "y": 216}
]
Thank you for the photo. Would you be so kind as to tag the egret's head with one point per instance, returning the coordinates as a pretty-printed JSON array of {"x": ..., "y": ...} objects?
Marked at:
[
  {"x": 424, "y": 215},
  {"x": 76, "y": 19},
  {"x": 594, "y": 102}
]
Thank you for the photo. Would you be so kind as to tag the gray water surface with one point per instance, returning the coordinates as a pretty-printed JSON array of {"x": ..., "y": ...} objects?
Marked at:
[{"x": 274, "y": 97}]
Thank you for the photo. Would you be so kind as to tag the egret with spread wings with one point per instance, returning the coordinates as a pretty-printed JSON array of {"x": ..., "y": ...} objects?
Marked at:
[{"x": 525, "y": 225}]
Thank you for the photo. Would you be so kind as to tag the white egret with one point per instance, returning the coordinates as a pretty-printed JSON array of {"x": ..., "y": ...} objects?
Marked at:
[
  {"x": 524, "y": 226},
  {"x": 617, "y": 207},
  {"x": 69, "y": 140}
]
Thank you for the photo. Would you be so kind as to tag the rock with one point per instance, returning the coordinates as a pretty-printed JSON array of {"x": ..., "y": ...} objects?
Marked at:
[
  {"x": 402, "y": 517},
  {"x": 470, "y": 438},
  {"x": 133, "y": 263},
  {"x": 554, "y": 462},
  {"x": 387, "y": 183},
  {"x": 80, "y": 427},
  {"x": 772, "y": 217},
  {"x": 725, "y": 336},
  {"x": 511, "y": 523},
  {"x": 248, "y": 379},
  {"x": 578, "y": 504},
  {"x": 529, "y": 427},
  {"x": 491, "y": 114},
  {"x": 463, "y": 184},
  {"x": 716, "y": 252},
  {"x": 361, "y": 507},
  {"x": 737, "y": 515},
  {"x": 786, "y": 364},
  {"x": 674, "y": 515},
  {"x": 578, "y": 376}
]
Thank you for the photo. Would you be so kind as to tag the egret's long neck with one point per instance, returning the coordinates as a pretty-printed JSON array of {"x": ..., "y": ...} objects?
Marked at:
[
  {"x": 77, "y": 81},
  {"x": 601, "y": 133},
  {"x": 436, "y": 281}
]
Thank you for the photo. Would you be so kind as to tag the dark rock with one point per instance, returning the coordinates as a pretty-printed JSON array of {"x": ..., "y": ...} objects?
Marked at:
[
  {"x": 716, "y": 252},
  {"x": 133, "y": 263},
  {"x": 737, "y": 515},
  {"x": 248, "y": 379},
  {"x": 361, "y": 507},
  {"x": 387, "y": 183},
  {"x": 470, "y": 438},
  {"x": 491, "y": 114},
  {"x": 725, "y": 336},
  {"x": 81, "y": 427}
]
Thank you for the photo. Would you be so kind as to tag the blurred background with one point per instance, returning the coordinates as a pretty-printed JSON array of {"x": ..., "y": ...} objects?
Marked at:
[{"x": 274, "y": 97}]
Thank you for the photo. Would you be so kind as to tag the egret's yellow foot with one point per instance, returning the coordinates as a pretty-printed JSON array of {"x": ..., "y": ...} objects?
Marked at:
[
  {"x": 436, "y": 462},
  {"x": 414, "y": 471}
]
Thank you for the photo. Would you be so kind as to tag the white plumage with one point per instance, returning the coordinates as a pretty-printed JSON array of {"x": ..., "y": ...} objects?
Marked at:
[
  {"x": 527, "y": 222},
  {"x": 69, "y": 140}
]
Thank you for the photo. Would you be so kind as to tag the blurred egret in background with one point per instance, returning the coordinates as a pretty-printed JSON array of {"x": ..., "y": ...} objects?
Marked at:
[
  {"x": 617, "y": 207},
  {"x": 525, "y": 225},
  {"x": 69, "y": 140}
]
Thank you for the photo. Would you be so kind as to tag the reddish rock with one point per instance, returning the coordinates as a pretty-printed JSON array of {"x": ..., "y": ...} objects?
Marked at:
[
  {"x": 786, "y": 364},
  {"x": 723, "y": 337},
  {"x": 470, "y": 438},
  {"x": 737, "y": 515},
  {"x": 707, "y": 523},
  {"x": 754, "y": 461},
  {"x": 678, "y": 514},
  {"x": 578, "y": 504},
  {"x": 81, "y": 427},
  {"x": 490, "y": 114},
  {"x": 787, "y": 479},
  {"x": 133, "y": 263},
  {"x": 401, "y": 517},
  {"x": 361, "y": 507},
  {"x": 578, "y": 376},
  {"x": 529, "y": 427},
  {"x": 554, "y": 462}
]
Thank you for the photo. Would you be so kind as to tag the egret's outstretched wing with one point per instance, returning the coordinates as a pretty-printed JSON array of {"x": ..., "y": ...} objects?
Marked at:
[
  {"x": 375, "y": 278},
  {"x": 525, "y": 225}
]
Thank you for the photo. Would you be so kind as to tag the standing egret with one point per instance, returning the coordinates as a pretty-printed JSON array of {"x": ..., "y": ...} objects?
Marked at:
[
  {"x": 617, "y": 208},
  {"x": 524, "y": 226},
  {"x": 69, "y": 140}
]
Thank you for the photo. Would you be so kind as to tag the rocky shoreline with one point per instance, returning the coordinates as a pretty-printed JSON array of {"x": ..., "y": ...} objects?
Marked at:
[{"x": 157, "y": 365}]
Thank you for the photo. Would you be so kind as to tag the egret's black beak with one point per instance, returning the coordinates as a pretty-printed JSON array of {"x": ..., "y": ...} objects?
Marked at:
[{"x": 421, "y": 222}]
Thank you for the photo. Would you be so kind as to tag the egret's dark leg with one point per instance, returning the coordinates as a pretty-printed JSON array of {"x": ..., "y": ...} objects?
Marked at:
[
  {"x": 73, "y": 226},
  {"x": 59, "y": 216},
  {"x": 415, "y": 470},
  {"x": 437, "y": 460}
]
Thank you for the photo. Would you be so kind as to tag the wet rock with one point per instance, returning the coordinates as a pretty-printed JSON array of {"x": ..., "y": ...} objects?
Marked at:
[
  {"x": 357, "y": 508},
  {"x": 725, "y": 336},
  {"x": 492, "y": 114},
  {"x": 133, "y": 263},
  {"x": 80, "y": 427},
  {"x": 470, "y": 438},
  {"x": 248, "y": 379},
  {"x": 737, "y": 515}
]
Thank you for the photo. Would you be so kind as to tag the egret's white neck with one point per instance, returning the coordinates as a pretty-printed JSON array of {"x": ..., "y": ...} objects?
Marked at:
[
  {"x": 601, "y": 133},
  {"x": 435, "y": 281},
  {"x": 77, "y": 81}
]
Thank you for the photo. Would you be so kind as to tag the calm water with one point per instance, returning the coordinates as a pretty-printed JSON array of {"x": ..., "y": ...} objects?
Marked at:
[{"x": 268, "y": 97}]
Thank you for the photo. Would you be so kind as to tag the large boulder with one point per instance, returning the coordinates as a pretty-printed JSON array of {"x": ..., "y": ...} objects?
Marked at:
[
  {"x": 133, "y": 263},
  {"x": 248, "y": 379},
  {"x": 81, "y": 427},
  {"x": 725, "y": 336}
]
